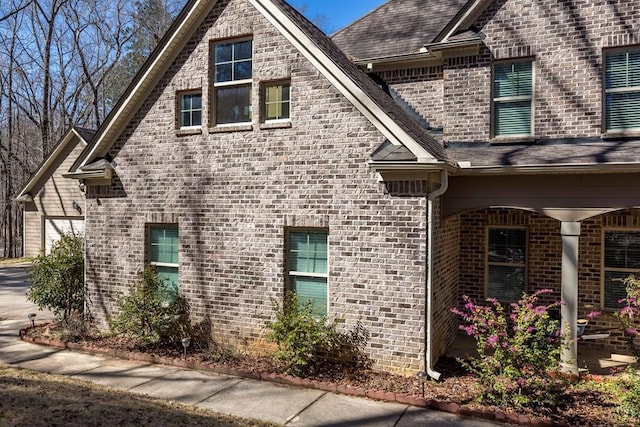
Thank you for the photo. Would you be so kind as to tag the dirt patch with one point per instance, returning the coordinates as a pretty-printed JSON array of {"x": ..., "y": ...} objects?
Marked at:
[{"x": 35, "y": 399}]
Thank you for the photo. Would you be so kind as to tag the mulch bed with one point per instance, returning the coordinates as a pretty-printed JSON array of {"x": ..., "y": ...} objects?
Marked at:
[{"x": 456, "y": 392}]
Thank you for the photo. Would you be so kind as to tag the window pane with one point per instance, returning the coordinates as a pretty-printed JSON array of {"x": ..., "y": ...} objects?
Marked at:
[
  {"x": 506, "y": 283},
  {"x": 308, "y": 252},
  {"x": 311, "y": 288},
  {"x": 196, "y": 101},
  {"x": 277, "y": 102},
  {"x": 242, "y": 50},
  {"x": 196, "y": 118},
  {"x": 623, "y": 110},
  {"x": 163, "y": 246},
  {"x": 512, "y": 79},
  {"x": 622, "y": 249},
  {"x": 614, "y": 288},
  {"x": 233, "y": 104},
  {"x": 169, "y": 276},
  {"x": 242, "y": 70},
  {"x": 507, "y": 245},
  {"x": 224, "y": 52},
  {"x": 224, "y": 73},
  {"x": 512, "y": 118}
]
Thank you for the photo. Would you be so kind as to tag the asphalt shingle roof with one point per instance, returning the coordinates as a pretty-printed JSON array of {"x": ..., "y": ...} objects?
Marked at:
[
  {"x": 397, "y": 27},
  {"x": 550, "y": 152}
]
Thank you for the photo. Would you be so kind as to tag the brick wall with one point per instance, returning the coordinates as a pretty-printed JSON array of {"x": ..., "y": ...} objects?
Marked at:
[
  {"x": 233, "y": 194},
  {"x": 565, "y": 39}
]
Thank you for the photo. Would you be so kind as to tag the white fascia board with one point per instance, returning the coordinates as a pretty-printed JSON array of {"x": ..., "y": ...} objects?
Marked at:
[
  {"x": 68, "y": 137},
  {"x": 545, "y": 169},
  {"x": 471, "y": 14},
  {"x": 385, "y": 124},
  {"x": 149, "y": 77}
]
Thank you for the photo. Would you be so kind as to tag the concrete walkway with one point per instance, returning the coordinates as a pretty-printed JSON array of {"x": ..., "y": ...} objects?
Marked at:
[{"x": 226, "y": 394}]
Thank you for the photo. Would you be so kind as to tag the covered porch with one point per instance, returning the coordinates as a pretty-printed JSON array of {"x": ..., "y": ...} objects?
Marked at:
[{"x": 563, "y": 217}]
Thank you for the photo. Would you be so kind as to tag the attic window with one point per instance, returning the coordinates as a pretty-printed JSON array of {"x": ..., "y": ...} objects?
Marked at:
[
  {"x": 276, "y": 101},
  {"x": 190, "y": 109},
  {"x": 233, "y": 64}
]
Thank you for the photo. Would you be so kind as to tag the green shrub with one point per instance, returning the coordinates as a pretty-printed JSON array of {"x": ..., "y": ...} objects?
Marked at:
[
  {"x": 57, "y": 279},
  {"x": 302, "y": 336},
  {"x": 151, "y": 313}
]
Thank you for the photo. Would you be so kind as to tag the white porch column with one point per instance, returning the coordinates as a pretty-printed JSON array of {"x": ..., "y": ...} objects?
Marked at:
[{"x": 570, "y": 232}]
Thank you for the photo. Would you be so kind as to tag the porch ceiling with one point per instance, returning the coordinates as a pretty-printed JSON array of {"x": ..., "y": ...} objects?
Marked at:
[{"x": 562, "y": 197}]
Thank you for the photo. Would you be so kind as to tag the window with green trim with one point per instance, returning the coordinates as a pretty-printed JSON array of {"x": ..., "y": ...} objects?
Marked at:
[
  {"x": 506, "y": 263},
  {"x": 163, "y": 254},
  {"x": 513, "y": 98},
  {"x": 622, "y": 90},
  {"x": 307, "y": 263},
  {"x": 233, "y": 65},
  {"x": 621, "y": 260}
]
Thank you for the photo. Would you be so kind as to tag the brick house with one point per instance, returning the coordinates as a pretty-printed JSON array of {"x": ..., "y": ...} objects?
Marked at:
[
  {"x": 471, "y": 147},
  {"x": 537, "y": 104}
]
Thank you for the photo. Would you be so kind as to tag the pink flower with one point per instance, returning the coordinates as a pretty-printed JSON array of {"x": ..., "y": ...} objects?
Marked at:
[
  {"x": 594, "y": 314},
  {"x": 492, "y": 340},
  {"x": 632, "y": 332}
]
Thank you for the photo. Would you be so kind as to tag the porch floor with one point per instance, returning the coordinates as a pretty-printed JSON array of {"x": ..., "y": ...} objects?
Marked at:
[{"x": 591, "y": 359}]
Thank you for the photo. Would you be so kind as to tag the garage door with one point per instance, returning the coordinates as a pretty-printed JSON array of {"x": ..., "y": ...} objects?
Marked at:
[{"x": 54, "y": 228}]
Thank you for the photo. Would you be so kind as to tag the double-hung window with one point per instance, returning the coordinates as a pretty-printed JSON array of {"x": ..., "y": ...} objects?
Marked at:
[
  {"x": 190, "y": 109},
  {"x": 621, "y": 260},
  {"x": 307, "y": 261},
  {"x": 513, "y": 99},
  {"x": 232, "y": 82},
  {"x": 622, "y": 90},
  {"x": 506, "y": 263},
  {"x": 277, "y": 101},
  {"x": 163, "y": 254}
]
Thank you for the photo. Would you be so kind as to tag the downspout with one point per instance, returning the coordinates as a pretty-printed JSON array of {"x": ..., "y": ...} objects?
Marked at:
[{"x": 444, "y": 185}]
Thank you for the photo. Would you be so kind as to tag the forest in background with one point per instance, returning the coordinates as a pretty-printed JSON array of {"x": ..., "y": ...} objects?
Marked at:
[{"x": 63, "y": 63}]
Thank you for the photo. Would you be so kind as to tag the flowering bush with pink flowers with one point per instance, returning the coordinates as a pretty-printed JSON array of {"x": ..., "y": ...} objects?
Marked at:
[
  {"x": 517, "y": 348},
  {"x": 629, "y": 314}
]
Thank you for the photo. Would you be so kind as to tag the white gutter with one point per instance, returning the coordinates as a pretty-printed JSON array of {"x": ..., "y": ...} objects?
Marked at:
[{"x": 428, "y": 358}]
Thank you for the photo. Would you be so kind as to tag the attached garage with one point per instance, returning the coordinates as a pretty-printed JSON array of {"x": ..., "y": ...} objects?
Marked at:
[
  {"x": 56, "y": 227},
  {"x": 52, "y": 203}
]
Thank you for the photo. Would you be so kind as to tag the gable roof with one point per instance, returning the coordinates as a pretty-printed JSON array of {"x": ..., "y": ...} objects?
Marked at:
[
  {"x": 330, "y": 61},
  {"x": 73, "y": 136},
  {"x": 397, "y": 27}
]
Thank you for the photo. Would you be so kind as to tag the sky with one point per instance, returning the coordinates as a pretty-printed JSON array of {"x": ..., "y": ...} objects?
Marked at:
[{"x": 332, "y": 15}]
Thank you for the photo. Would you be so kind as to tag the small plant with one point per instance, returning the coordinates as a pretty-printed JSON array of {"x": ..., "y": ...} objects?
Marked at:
[
  {"x": 626, "y": 389},
  {"x": 301, "y": 335},
  {"x": 516, "y": 351},
  {"x": 629, "y": 315},
  {"x": 57, "y": 279},
  {"x": 151, "y": 313}
]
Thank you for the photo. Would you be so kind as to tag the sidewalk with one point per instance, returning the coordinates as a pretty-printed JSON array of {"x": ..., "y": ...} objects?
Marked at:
[{"x": 226, "y": 394}]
